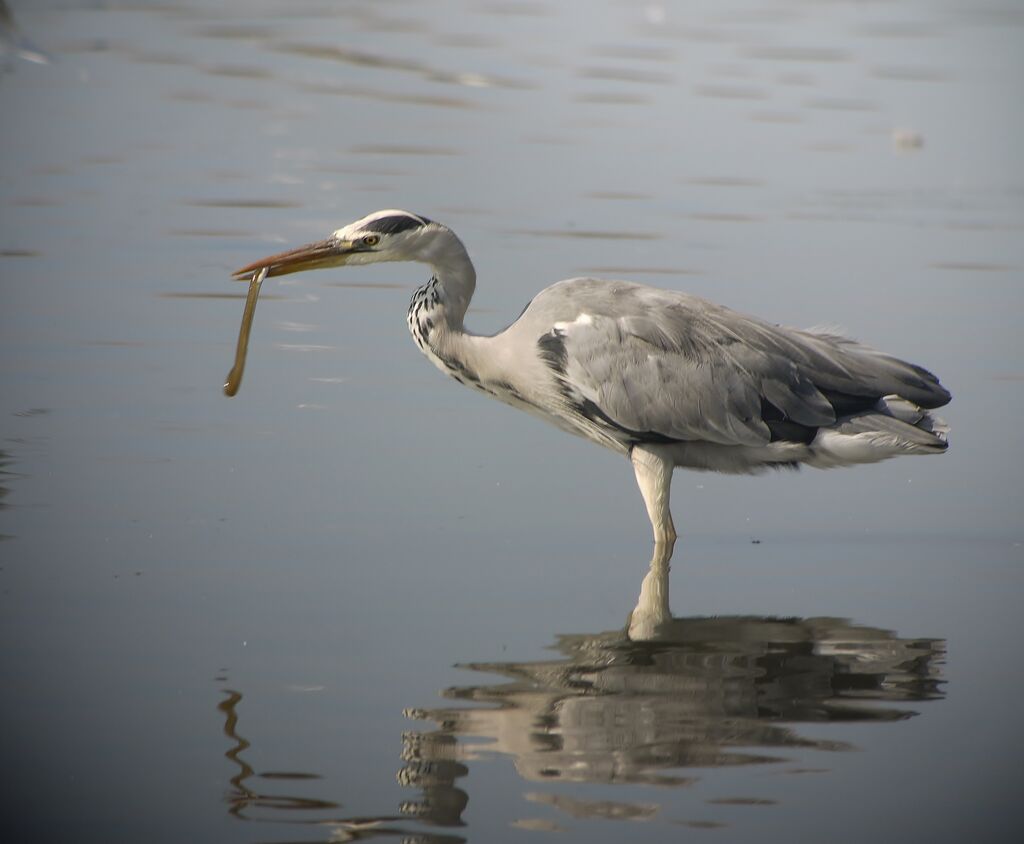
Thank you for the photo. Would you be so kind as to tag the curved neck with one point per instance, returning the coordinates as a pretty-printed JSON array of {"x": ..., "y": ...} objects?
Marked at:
[
  {"x": 438, "y": 308},
  {"x": 455, "y": 282}
]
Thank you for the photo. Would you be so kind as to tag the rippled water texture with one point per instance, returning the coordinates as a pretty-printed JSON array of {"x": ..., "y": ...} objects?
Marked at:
[{"x": 358, "y": 602}]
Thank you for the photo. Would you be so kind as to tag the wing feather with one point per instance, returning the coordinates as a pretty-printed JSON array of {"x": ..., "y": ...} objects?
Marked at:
[{"x": 672, "y": 366}]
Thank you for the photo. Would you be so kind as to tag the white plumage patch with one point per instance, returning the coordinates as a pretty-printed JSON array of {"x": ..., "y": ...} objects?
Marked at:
[
  {"x": 832, "y": 448},
  {"x": 582, "y": 319}
]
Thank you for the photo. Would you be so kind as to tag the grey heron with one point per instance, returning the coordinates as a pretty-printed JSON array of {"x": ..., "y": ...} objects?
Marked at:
[{"x": 665, "y": 378}]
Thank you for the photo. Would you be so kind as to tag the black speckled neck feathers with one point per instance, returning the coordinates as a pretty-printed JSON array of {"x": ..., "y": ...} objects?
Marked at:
[{"x": 424, "y": 313}]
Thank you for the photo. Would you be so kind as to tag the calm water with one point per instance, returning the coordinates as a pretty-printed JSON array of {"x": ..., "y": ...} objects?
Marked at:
[{"x": 358, "y": 602}]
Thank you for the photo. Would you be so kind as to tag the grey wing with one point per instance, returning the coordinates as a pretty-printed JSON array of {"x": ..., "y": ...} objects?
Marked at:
[{"x": 658, "y": 365}]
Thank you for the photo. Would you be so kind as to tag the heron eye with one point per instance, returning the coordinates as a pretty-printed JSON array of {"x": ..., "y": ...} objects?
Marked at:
[{"x": 371, "y": 240}]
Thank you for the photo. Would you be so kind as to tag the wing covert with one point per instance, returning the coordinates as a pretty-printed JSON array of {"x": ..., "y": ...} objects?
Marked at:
[{"x": 660, "y": 365}]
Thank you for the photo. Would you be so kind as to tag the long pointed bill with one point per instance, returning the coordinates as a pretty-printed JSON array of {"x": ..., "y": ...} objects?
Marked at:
[{"x": 312, "y": 256}]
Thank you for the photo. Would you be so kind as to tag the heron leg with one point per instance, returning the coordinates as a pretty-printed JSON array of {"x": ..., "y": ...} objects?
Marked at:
[{"x": 654, "y": 477}]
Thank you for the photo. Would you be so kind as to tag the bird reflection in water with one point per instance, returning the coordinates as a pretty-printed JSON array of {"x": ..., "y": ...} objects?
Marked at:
[
  {"x": 640, "y": 705},
  {"x": 643, "y": 704},
  {"x": 247, "y": 803}
]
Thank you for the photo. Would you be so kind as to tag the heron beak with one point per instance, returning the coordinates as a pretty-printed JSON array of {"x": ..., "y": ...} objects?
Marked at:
[{"x": 312, "y": 256}]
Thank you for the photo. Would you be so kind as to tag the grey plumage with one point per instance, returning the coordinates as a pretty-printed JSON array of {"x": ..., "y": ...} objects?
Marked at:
[
  {"x": 664, "y": 377},
  {"x": 650, "y": 365}
]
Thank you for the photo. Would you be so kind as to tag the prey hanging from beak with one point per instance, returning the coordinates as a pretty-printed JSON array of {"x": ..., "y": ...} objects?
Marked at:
[
  {"x": 322, "y": 254},
  {"x": 234, "y": 379}
]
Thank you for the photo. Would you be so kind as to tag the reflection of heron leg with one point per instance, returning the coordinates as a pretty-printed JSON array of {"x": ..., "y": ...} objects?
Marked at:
[
  {"x": 432, "y": 767},
  {"x": 654, "y": 477}
]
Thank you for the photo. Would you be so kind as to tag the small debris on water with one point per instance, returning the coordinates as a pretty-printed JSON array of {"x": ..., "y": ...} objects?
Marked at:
[{"x": 907, "y": 139}]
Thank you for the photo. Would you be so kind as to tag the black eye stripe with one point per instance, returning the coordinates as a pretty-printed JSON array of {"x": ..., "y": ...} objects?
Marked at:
[{"x": 395, "y": 224}]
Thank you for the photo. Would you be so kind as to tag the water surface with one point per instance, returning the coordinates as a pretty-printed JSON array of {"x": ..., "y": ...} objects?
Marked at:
[{"x": 357, "y": 602}]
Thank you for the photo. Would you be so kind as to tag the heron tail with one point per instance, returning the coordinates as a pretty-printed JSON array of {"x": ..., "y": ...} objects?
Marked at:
[{"x": 892, "y": 428}]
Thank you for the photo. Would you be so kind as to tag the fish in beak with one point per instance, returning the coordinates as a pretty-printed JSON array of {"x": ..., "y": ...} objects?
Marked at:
[
  {"x": 332, "y": 252},
  {"x": 313, "y": 256}
]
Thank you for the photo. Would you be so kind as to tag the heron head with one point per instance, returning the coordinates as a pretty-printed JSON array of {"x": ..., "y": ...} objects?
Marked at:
[{"x": 389, "y": 235}]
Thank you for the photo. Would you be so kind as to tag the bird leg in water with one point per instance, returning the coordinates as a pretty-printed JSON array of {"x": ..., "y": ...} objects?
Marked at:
[
  {"x": 652, "y": 612},
  {"x": 235, "y": 375}
]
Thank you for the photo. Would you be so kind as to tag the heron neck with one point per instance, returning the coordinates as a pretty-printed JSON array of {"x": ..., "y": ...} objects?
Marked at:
[
  {"x": 456, "y": 281},
  {"x": 438, "y": 308}
]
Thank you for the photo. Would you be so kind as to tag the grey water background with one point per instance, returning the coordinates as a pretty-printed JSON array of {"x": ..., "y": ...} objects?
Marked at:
[{"x": 357, "y": 601}]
